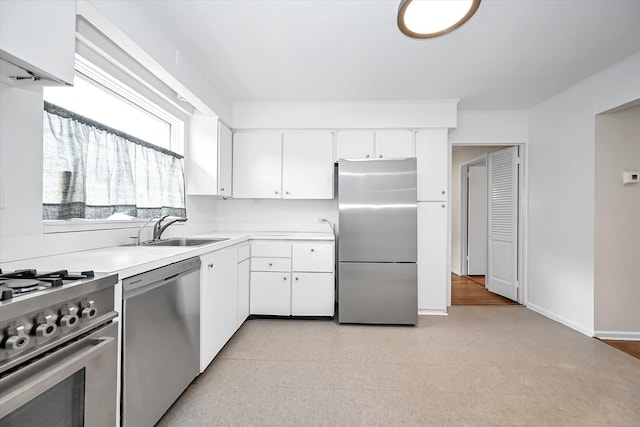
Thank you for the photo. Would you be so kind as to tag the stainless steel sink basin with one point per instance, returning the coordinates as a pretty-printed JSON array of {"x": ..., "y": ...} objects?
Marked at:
[{"x": 183, "y": 241}]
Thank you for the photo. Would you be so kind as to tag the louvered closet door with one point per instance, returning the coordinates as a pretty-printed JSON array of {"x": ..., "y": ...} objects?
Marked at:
[{"x": 502, "y": 274}]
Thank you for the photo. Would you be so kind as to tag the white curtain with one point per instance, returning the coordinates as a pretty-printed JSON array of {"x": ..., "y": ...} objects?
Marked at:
[{"x": 93, "y": 171}]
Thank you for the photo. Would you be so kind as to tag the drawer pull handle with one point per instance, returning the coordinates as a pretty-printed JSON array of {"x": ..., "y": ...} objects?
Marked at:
[
  {"x": 210, "y": 266},
  {"x": 270, "y": 264},
  {"x": 296, "y": 278},
  {"x": 284, "y": 278},
  {"x": 313, "y": 250}
]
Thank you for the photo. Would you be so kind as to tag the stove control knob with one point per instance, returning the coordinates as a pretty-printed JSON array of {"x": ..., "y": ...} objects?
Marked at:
[
  {"x": 18, "y": 338},
  {"x": 69, "y": 317},
  {"x": 88, "y": 310},
  {"x": 46, "y": 326}
]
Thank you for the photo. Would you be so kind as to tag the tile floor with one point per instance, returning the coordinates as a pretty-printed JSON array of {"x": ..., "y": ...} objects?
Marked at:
[{"x": 502, "y": 365}]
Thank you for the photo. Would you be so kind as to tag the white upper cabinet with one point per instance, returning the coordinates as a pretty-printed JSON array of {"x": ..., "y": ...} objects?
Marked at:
[
  {"x": 208, "y": 157},
  {"x": 39, "y": 36},
  {"x": 394, "y": 143},
  {"x": 369, "y": 144},
  {"x": 225, "y": 156},
  {"x": 293, "y": 165},
  {"x": 355, "y": 144},
  {"x": 432, "y": 152},
  {"x": 257, "y": 165},
  {"x": 307, "y": 165}
]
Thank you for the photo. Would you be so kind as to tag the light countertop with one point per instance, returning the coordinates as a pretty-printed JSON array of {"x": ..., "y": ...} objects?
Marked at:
[{"x": 131, "y": 260}]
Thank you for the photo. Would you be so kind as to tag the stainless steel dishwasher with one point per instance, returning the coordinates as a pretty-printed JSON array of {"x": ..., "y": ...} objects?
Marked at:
[{"x": 161, "y": 339}]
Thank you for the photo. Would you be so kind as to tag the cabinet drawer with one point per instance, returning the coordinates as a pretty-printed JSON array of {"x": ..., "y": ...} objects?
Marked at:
[
  {"x": 271, "y": 264},
  {"x": 244, "y": 252},
  {"x": 313, "y": 256},
  {"x": 271, "y": 249}
]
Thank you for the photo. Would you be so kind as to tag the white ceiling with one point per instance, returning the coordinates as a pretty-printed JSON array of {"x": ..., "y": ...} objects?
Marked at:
[{"x": 511, "y": 55}]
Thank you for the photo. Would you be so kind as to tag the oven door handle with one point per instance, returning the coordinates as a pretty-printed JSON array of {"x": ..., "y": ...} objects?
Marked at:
[{"x": 31, "y": 380}]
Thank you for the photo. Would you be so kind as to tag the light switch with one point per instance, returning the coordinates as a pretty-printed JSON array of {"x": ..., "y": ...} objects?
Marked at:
[{"x": 630, "y": 176}]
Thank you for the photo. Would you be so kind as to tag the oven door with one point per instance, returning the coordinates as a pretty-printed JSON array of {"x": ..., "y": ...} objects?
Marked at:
[{"x": 74, "y": 385}]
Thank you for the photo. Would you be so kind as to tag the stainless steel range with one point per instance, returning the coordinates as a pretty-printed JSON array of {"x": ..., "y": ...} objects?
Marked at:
[{"x": 58, "y": 352}]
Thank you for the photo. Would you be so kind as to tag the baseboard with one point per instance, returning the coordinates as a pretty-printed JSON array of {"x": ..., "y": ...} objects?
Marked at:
[
  {"x": 430, "y": 312},
  {"x": 617, "y": 335},
  {"x": 456, "y": 271},
  {"x": 560, "y": 319}
]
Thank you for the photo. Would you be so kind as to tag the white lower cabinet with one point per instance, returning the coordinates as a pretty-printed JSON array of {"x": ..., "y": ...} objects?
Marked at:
[
  {"x": 218, "y": 302},
  {"x": 292, "y": 278},
  {"x": 312, "y": 294},
  {"x": 244, "y": 273},
  {"x": 271, "y": 293},
  {"x": 432, "y": 256}
]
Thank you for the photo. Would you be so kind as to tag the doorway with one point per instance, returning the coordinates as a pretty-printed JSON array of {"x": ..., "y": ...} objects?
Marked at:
[{"x": 487, "y": 231}]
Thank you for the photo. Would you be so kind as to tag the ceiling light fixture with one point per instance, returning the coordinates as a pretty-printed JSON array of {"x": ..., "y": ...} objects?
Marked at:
[{"x": 424, "y": 19}]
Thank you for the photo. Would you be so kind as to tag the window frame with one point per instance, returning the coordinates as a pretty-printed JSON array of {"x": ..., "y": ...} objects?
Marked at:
[{"x": 119, "y": 89}]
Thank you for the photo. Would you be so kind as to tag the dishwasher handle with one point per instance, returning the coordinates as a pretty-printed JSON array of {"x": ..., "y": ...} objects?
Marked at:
[{"x": 147, "y": 281}]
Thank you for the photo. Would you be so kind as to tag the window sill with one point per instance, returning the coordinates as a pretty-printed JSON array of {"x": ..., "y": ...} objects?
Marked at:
[{"x": 78, "y": 224}]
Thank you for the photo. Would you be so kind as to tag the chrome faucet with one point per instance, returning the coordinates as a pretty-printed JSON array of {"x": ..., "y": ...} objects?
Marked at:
[
  {"x": 137, "y": 242},
  {"x": 158, "y": 228}
]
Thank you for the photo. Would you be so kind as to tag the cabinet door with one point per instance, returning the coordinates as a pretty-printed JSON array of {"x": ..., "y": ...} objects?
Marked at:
[
  {"x": 313, "y": 256},
  {"x": 202, "y": 159},
  {"x": 312, "y": 294},
  {"x": 432, "y": 152},
  {"x": 40, "y": 36},
  {"x": 270, "y": 293},
  {"x": 432, "y": 256},
  {"x": 257, "y": 165},
  {"x": 218, "y": 302},
  {"x": 307, "y": 165},
  {"x": 243, "y": 291},
  {"x": 394, "y": 143},
  {"x": 225, "y": 155},
  {"x": 354, "y": 144}
]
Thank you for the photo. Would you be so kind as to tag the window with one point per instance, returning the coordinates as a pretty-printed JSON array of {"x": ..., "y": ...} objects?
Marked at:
[{"x": 109, "y": 153}]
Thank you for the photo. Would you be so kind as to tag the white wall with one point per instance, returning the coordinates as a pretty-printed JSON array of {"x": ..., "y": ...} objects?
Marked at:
[
  {"x": 491, "y": 127},
  {"x": 617, "y": 226},
  {"x": 346, "y": 114},
  {"x": 142, "y": 34},
  {"x": 561, "y": 193},
  {"x": 267, "y": 214}
]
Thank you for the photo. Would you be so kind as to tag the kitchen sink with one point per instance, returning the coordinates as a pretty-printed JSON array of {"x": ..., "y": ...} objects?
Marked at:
[{"x": 183, "y": 241}]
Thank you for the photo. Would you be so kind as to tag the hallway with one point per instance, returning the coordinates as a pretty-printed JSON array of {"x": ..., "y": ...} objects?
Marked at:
[{"x": 470, "y": 290}]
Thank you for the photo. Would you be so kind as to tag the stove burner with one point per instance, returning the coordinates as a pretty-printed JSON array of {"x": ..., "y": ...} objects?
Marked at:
[
  {"x": 29, "y": 280},
  {"x": 21, "y": 284}
]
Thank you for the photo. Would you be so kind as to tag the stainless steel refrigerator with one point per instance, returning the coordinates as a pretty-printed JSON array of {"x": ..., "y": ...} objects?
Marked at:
[{"x": 377, "y": 243}]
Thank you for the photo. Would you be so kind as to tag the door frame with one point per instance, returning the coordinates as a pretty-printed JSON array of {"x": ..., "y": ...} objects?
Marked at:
[
  {"x": 522, "y": 212},
  {"x": 464, "y": 210}
]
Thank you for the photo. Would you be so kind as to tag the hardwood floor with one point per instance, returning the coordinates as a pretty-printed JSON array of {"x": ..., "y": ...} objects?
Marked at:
[
  {"x": 470, "y": 290},
  {"x": 629, "y": 347}
]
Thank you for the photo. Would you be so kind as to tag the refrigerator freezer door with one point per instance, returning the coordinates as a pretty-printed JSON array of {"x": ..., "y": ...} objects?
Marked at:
[
  {"x": 382, "y": 293},
  {"x": 377, "y": 210}
]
